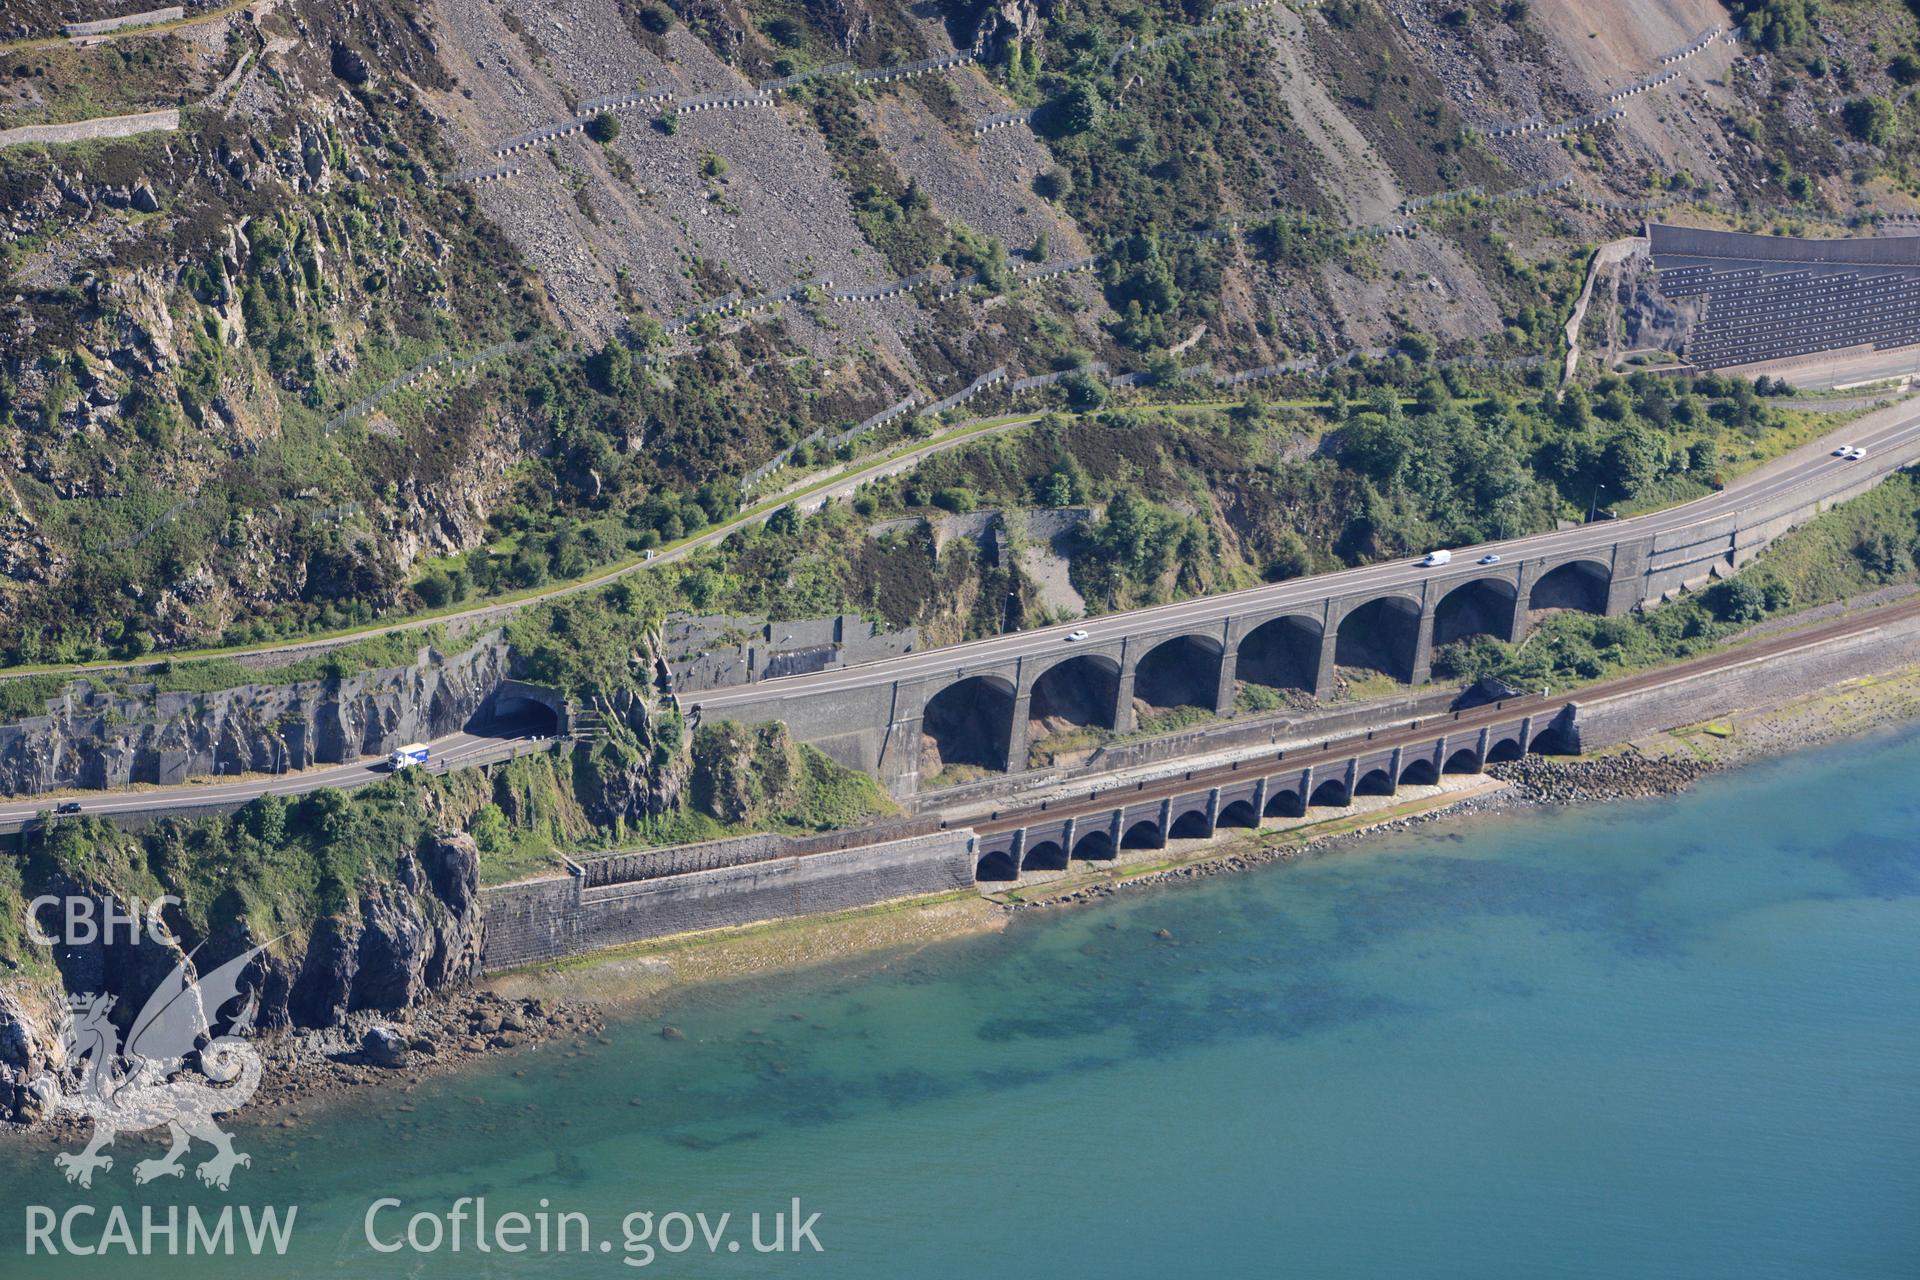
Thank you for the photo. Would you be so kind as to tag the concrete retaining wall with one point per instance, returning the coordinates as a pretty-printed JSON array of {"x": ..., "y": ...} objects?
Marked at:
[
  {"x": 1761, "y": 682},
  {"x": 546, "y": 919}
]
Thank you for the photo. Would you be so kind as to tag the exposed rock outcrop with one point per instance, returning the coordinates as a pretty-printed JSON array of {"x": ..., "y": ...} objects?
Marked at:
[
  {"x": 96, "y": 738},
  {"x": 410, "y": 935}
]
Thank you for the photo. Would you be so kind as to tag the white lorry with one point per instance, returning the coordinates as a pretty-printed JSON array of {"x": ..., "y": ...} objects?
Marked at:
[
  {"x": 412, "y": 753},
  {"x": 1435, "y": 558}
]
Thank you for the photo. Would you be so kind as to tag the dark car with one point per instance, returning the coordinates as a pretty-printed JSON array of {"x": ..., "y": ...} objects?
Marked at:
[{"x": 67, "y": 806}]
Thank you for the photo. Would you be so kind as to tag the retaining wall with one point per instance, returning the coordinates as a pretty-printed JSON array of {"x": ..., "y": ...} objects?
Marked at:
[
  {"x": 88, "y": 130},
  {"x": 1759, "y": 683},
  {"x": 559, "y": 916}
]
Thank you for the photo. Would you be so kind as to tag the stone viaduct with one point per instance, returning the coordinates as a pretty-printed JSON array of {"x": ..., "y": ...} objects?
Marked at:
[
  {"x": 1263, "y": 788},
  {"x": 973, "y": 703},
  {"x": 978, "y": 712}
]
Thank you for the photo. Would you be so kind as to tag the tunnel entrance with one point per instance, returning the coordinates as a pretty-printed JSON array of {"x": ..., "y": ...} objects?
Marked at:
[
  {"x": 1580, "y": 585},
  {"x": 997, "y": 865},
  {"x": 1504, "y": 750},
  {"x": 1181, "y": 672},
  {"x": 1465, "y": 760},
  {"x": 1380, "y": 635},
  {"x": 1095, "y": 846},
  {"x": 1420, "y": 773},
  {"x": 1082, "y": 692},
  {"x": 1144, "y": 834},
  {"x": 1483, "y": 607},
  {"x": 1048, "y": 855},
  {"x": 967, "y": 723},
  {"x": 1281, "y": 654},
  {"x": 521, "y": 709}
]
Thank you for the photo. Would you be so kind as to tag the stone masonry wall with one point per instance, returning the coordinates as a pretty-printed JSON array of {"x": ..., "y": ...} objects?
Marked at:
[
  {"x": 1761, "y": 682},
  {"x": 545, "y": 919}
]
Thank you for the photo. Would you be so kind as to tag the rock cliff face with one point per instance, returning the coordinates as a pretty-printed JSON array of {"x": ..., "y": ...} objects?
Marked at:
[
  {"x": 635, "y": 770},
  {"x": 412, "y": 934},
  {"x": 94, "y": 738}
]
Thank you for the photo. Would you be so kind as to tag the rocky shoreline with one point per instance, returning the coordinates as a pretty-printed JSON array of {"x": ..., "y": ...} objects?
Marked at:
[
  {"x": 461, "y": 1026},
  {"x": 310, "y": 1070}
]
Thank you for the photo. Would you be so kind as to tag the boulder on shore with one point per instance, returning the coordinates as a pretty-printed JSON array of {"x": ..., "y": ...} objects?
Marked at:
[{"x": 383, "y": 1047}]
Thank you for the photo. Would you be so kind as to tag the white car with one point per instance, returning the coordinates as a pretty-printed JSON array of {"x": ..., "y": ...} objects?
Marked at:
[
  {"x": 1073, "y": 637},
  {"x": 1855, "y": 453},
  {"x": 1844, "y": 451},
  {"x": 1492, "y": 557}
]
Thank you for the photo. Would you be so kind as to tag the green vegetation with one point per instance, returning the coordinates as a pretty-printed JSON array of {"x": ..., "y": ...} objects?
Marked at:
[
  {"x": 1460, "y": 460},
  {"x": 755, "y": 777},
  {"x": 604, "y": 128},
  {"x": 278, "y": 866},
  {"x": 1862, "y": 545}
]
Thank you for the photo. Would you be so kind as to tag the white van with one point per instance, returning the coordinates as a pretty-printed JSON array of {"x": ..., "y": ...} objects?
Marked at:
[{"x": 1437, "y": 558}]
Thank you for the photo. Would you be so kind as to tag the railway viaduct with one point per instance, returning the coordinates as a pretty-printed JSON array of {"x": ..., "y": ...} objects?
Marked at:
[
  {"x": 974, "y": 701},
  {"x": 1266, "y": 788}
]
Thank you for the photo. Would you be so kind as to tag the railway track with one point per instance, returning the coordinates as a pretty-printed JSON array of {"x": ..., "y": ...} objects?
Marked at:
[{"x": 1102, "y": 800}]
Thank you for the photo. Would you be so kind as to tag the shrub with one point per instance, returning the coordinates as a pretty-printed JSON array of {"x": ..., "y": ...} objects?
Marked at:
[{"x": 604, "y": 128}]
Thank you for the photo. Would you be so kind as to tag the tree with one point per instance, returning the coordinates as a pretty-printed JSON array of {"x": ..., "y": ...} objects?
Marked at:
[
  {"x": 604, "y": 128},
  {"x": 266, "y": 818},
  {"x": 1869, "y": 119},
  {"x": 489, "y": 829},
  {"x": 1740, "y": 600},
  {"x": 956, "y": 499},
  {"x": 434, "y": 590},
  {"x": 1290, "y": 558},
  {"x": 1075, "y": 111},
  {"x": 611, "y": 368},
  {"x": 1884, "y": 556},
  {"x": 1084, "y": 390}
]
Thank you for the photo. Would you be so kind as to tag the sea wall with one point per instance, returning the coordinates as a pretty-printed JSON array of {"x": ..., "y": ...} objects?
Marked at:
[
  {"x": 1761, "y": 682},
  {"x": 93, "y": 737},
  {"x": 560, "y": 916}
]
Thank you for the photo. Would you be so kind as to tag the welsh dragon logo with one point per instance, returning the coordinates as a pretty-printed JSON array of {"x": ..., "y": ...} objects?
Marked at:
[{"x": 145, "y": 1085}]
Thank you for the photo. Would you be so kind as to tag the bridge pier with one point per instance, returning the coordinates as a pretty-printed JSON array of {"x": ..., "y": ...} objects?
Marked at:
[
  {"x": 1123, "y": 721},
  {"x": 1626, "y": 584},
  {"x": 1324, "y": 671},
  {"x": 1223, "y": 687},
  {"x": 1017, "y": 731},
  {"x": 1422, "y": 669}
]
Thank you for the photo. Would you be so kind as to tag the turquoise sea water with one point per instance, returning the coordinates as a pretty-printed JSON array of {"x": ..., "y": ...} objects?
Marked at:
[{"x": 1673, "y": 1038}]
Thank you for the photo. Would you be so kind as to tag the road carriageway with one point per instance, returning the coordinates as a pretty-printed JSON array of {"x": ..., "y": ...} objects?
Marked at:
[{"x": 1094, "y": 827}]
